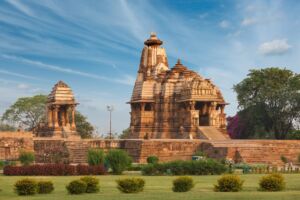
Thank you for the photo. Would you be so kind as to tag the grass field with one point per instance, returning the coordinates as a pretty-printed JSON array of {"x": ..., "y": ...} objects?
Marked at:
[{"x": 158, "y": 187}]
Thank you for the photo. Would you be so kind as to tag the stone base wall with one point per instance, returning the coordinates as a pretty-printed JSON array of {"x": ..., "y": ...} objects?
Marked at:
[
  {"x": 11, "y": 143},
  {"x": 75, "y": 150}
]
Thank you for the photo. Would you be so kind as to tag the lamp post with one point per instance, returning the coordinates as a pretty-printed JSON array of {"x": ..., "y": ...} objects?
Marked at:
[{"x": 110, "y": 108}]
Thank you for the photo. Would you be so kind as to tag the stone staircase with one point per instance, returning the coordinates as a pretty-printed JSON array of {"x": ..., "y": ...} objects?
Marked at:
[
  {"x": 77, "y": 151},
  {"x": 212, "y": 133}
]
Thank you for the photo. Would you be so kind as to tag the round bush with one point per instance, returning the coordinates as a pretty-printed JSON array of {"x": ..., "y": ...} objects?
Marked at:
[
  {"x": 152, "y": 160},
  {"x": 26, "y": 158},
  {"x": 131, "y": 185},
  {"x": 45, "y": 187},
  {"x": 272, "y": 182},
  {"x": 118, "y": 160},
  {"x": 26, "y": 187},
  {"x": 92, "y": 184},
  {"x": 95, "y": 157},
  {"x": 76, "y": 187},
  {"x": 183, "y": 184},
  {"x": 229, "y": 183}
]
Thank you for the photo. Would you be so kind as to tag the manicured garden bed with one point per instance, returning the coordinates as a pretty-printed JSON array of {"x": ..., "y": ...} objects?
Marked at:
[{"x": 156, "y": 187}]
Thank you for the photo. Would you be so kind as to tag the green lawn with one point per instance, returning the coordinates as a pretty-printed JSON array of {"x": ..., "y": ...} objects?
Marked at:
[{"x": 158, "y": 187}]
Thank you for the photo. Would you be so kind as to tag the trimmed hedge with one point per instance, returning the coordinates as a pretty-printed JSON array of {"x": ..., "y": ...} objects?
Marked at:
[
  {"x": 92, "y": 184},
  {"x": 195, "y": 167},
  {"x": 76, "y": 187},
  {"x": 183, "y": 184},
  {"x": 229, "y": 183},
  {"x": 45, "y": 187},
  {"x": 26, "y": 187},
  {"x": 53, "y": 170},
  {"x": 272, "y": 182},
  {"x": 131, "y": 185}
]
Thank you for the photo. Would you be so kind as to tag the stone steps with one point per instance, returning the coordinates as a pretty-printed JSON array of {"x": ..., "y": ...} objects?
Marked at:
[
  {"x": 212, "y": 133},
  {"x": 77, "y": 152}
]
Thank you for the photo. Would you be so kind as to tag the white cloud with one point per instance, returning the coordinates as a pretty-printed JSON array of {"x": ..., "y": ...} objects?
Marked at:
[
  {"x": 22, "y": 86},
  {"x": 56, "y": 68},
  {"x": 274, "y": 47},
  {"x": 224, "y": 24},
  {"x": 248, "y": 21}
]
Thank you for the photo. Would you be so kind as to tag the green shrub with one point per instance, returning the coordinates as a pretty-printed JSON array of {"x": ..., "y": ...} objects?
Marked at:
[
  {"x": 118, "y": 160},
  {"x": 26, "y": 187},
  {"x": 76, "y": 187},
  {"x": 131, "y": 185},
  {"x": 152, "y": 160},
  {"x": 92, "y": 184},
  {"x": 45, "y": 187},
  {"x": 283, "y": 159},
  {"x": 272, "y": 182},
  {"x": 243, "y": 166},
  {"x": 229, "y": 183},
  {"x": 194, "y": 167},
  {"x": 2, "y": 164},
  {"x": 26, "y": 158},
  {"x": 95, "y": 157},
  {"x": 183, "y": 184},
  {"x": 136, "y": 167}
]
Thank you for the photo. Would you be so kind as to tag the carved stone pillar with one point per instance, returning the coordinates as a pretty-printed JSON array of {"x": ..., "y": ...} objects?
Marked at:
[
  {"x": 67, "y": 116},
  {"x": 55, "y": 116},
  {"x": 50, "y": 121},
  {"x": 73, "y": 125}
]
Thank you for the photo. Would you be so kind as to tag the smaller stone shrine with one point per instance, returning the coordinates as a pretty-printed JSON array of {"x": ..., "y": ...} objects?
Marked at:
[{"x": 60, "y": 113}]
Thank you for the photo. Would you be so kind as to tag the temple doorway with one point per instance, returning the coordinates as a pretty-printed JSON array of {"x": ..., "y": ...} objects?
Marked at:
[{"x": 202, "y": 108}]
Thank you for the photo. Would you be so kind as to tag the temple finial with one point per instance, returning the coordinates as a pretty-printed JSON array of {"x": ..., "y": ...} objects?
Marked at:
[{"x": 178, "y": 61}]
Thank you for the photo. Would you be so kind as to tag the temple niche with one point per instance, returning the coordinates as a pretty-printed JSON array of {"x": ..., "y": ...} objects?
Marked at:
[
  {"x": 173, "y": 103},
  {"x": 60, "y": 113}
]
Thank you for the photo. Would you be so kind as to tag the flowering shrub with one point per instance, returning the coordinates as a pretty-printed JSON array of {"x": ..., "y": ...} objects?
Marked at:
[
  {"x": 272, "y": 182},
  {"x": 26, "y": 187},
  {"x": 183, "y": 184},
  {"x": 131, "y": 185},
  {"x": 229, "y": 183}
]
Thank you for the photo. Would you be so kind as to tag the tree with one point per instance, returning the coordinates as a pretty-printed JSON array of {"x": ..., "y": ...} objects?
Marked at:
[
  {"x": 26, "y": 112},
  {"x": 270, "y": 98},
  {"x": 125, "y": 133},
  {"x": 84, "y": 128}
]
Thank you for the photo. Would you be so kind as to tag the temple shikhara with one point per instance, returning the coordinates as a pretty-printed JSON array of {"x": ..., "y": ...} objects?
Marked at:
[
  {"x": 60, "y": 113},
  {"x": 173, "y": 102}
]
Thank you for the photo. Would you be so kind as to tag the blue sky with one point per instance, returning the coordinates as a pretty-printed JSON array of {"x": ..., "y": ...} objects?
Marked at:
[{"x": 95, "y": 46}]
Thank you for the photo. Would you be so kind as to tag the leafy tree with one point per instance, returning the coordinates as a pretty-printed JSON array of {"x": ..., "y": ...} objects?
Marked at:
[
  {"x": 269, "y": 100},
  {"x": 26, "y": 112},
  {"x": 84, "y": 128},
  {"x": 125, "y": 133}
]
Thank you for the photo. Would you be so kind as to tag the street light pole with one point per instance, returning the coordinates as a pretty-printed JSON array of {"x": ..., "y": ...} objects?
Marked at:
[{"x": 110, "y": 109}]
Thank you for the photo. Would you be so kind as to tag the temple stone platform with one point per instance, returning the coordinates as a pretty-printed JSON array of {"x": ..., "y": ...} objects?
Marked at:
[{"x": 71, "y": 150}]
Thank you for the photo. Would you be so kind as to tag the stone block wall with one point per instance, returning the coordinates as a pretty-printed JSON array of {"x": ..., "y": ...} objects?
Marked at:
[{"x": 11, "y": 143}]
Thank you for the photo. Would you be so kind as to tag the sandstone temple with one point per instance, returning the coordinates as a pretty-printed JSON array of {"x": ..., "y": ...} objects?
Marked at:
[
  {"x": 60, "y": 113},
  {"x": 175, "y": 112},
  {"x": 173, "y": 102}
]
